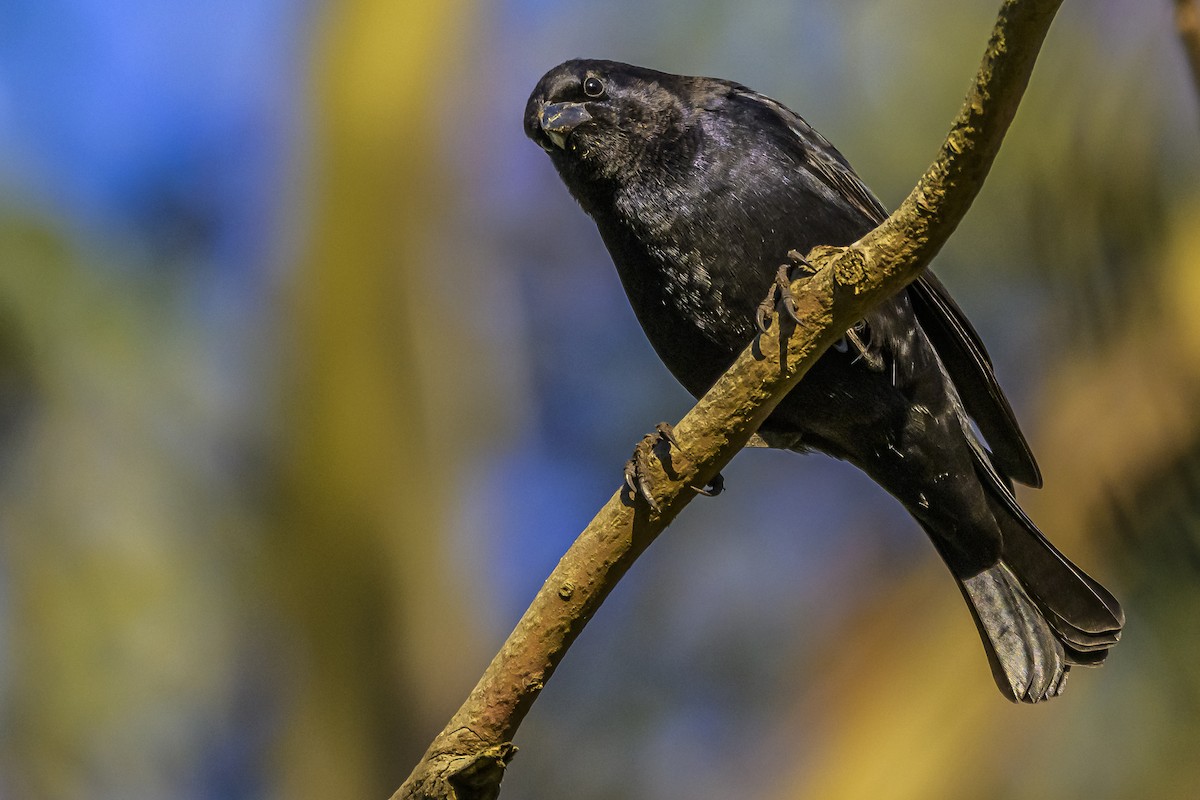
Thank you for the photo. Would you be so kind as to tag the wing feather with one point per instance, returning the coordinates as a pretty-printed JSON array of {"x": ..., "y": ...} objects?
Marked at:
[{"x": 951, "y": 334}]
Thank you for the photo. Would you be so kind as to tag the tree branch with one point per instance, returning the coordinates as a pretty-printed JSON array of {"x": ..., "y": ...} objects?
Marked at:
[{"x": 467, "y": 759}]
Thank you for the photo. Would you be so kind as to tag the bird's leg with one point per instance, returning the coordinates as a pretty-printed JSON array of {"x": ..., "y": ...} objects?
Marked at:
[
  {"x": 635, "y": 467},
  {"x": 780, "y": 292},
  {"x": 874, "y": 360}
]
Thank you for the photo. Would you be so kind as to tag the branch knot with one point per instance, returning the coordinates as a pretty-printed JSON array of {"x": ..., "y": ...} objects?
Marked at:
[
  {"x": 850, "y": 269},
  {"x": 479, "y": 778}
]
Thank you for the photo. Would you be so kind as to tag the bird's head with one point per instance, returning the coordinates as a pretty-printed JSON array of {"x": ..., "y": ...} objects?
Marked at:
[{"x": 602, "y": 119}]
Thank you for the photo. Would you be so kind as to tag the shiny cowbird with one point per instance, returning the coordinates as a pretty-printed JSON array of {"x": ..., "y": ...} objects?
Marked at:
[{"x": 700, "y": 187}]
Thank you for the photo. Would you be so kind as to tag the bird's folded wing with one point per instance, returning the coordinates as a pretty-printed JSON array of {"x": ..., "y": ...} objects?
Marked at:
[{"x": 967, "y": 362}]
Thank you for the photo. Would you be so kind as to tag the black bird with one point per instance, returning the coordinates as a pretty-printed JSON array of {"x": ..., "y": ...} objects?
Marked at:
[{"x": 700, "y": 187}]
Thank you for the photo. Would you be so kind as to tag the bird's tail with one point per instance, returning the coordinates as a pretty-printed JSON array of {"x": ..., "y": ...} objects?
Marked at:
[{"x": 1037, "y": 613}]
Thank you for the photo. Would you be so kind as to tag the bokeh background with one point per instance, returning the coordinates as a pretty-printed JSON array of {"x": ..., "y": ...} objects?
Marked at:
[{"x": 310, "y": 370}]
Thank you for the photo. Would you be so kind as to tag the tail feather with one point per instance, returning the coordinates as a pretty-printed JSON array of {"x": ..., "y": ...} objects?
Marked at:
[
  {"x": 1081, "y": 640},
  {"x": 1084, "y": 611},
  {"x": 1027, "y": 658},
  {"x": 1037, "y": 613}
]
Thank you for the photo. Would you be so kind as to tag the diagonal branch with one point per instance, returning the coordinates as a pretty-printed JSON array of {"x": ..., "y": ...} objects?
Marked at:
[{"x": 467, "y": 759}]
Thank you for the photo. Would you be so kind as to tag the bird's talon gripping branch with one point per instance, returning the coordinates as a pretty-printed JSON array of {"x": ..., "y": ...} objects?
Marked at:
[
  {"x": 636, "y": 479},
  {"x": 780, "y": 293},
  {"x": 762, "y": 316},
  {"x": 667, "y": 433},
  {"x": 799, "y": 262},
  {"x": 635, "y": 468}
]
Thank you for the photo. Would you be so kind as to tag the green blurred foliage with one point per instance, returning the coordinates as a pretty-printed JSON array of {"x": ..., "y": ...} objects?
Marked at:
[
  {"x": 360, "y": 547},
  {"x": 125, "y": 551}
]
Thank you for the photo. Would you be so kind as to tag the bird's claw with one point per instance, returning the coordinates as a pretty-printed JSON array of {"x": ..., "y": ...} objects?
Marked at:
[
  {"x": 800, "y": 263},
  {"x": 780, "y": 293},
  {"x": 713, "y": 487},
  {"x": 763, "y": 314},
  {"x": 665, "y": 432},
  {"x": 636, "y": 474},
  {"x": 635, "y": 468}
]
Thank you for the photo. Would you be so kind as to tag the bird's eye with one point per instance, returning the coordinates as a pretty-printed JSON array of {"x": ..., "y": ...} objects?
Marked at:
[{"x": 593, "y": 86}]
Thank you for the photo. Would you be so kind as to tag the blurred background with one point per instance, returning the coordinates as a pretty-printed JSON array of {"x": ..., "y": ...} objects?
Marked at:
[{"x": 310, "y": 370}]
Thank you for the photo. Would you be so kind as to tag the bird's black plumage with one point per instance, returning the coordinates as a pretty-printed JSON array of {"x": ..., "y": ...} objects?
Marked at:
[{"x": 699, "y": 188}]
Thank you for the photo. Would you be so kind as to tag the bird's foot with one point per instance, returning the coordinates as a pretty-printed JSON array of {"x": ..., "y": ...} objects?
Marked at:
[
  {"x": 636, "y": 479},
  {"x": 635, "y": 468},
  {"x": 713, "y": 487},
  {"x": 854, "y": 336},
  {"x": 780, "y": 293},
  {"x": 800, "y": 263}
]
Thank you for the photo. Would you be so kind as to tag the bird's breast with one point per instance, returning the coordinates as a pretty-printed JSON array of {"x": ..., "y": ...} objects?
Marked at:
[{"x": 688, "y": 263}]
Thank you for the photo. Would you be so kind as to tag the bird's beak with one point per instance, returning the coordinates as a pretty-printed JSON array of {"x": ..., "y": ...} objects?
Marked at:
[{"x": 557, "y": 120}]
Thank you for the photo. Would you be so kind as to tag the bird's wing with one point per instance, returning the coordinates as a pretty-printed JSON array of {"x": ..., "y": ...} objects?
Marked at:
[
  {"x": 951, "y": 334},
  {"x": 821, "y": 157},
  {"x": 967, "y": 362}
]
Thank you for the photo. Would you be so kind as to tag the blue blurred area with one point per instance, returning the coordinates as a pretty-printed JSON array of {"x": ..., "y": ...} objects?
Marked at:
[
  {"x": 169, "y": 124},
  {"x": 143, "y": 146}
]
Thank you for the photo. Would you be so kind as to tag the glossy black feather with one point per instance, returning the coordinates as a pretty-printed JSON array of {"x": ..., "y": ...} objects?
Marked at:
[
  {"x": 947, "y": 328},
  {"x": 699, "y": 188}
]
